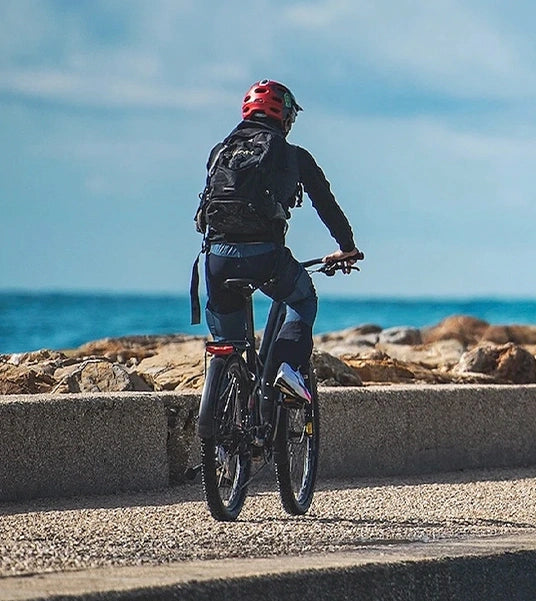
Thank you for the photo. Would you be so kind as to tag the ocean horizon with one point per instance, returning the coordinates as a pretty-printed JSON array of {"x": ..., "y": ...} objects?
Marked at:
[{"x": 31, "y": 320}]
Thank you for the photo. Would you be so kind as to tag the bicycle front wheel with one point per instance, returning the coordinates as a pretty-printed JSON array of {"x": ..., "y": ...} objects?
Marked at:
[
  {"x": 225, "y": 455},
  {"x": 296, "y": 447}
]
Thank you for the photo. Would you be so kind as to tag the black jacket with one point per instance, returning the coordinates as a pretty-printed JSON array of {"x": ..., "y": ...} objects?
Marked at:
[{"x": 303, "y": 169}]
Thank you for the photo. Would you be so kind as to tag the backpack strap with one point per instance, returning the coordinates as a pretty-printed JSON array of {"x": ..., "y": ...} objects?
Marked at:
[
  {"x": 212, "y": 164},
  {"x": 195, "y": 305}
]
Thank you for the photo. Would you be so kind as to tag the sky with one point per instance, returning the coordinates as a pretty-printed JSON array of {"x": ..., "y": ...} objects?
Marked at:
[{"x": 420, "y": 113}]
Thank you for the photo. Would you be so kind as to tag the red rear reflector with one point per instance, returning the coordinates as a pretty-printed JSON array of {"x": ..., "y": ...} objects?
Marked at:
[{"x": 220, "y": 349}]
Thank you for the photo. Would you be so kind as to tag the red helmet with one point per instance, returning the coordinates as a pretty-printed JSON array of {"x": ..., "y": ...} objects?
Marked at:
[{"x": 271, "y": 98}]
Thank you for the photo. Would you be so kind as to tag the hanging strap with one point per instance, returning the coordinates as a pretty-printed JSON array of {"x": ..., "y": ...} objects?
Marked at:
[{"x": 195, "y": 305}]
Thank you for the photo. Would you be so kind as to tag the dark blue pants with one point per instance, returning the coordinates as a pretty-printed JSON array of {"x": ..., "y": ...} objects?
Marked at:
[{"x": 291, "y": 283}]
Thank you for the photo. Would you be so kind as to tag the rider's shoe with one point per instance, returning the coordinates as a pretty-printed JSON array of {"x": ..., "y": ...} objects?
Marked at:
[{"x": 291, "y": 382}]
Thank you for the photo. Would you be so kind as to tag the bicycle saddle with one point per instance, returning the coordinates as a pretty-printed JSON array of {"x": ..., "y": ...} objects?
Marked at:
[{"x": 246, "y": 286}]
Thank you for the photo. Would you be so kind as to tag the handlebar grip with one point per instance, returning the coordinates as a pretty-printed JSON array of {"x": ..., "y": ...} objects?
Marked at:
[
  {"x": 312, "y": 262},
  {"x": 359, "y": 257}
]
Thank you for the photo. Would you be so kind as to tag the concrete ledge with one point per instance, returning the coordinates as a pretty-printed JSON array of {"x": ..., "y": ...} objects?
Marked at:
[
  {"x": 422, "y": 429},
  {"x": 499, "y": 569},
  {"x": 79, "y": 444},
  {"x": 73, "y": 444}
]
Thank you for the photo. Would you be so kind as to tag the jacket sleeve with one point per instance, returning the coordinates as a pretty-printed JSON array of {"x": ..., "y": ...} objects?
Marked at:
[{"x": 318, "y": 189}]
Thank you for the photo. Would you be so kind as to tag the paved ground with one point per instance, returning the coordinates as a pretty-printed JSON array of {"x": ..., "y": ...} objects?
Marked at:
[{"x": 174, "y": 525}]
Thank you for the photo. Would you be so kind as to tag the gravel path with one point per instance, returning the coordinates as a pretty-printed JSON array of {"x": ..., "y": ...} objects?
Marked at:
[{"x": 160, "y": 527}]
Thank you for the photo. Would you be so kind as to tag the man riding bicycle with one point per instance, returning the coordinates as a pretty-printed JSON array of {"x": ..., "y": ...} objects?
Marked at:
[{"x": 236, "y": 249}]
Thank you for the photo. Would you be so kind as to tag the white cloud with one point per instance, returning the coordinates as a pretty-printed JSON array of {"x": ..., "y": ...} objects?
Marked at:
[
  {"x": 443, "y": 45},
  {"x": 78, "y": 89},
  {"x": 158, "y": 59}
]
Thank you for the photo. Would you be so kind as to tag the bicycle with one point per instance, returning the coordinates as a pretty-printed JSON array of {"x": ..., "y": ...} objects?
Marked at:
[{"x": 231, "y": 426}]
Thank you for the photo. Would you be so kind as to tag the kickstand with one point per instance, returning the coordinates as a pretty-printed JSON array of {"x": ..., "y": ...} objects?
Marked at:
[{"x": 192, "y": 472}]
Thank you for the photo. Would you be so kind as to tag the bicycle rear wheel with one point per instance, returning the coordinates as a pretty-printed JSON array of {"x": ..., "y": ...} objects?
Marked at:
[
  {"x": 225, "y": 455},
  {"x": 296, "y": 448}
]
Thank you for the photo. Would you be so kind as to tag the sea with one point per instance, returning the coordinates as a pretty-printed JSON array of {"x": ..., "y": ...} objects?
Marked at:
[{"x": 63, "y": 320}]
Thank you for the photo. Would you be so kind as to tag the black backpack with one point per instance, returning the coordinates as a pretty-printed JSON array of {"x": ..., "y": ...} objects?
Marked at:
[
  {"x": 241, "y": 200},
  {"x": 252, "y": 183}
]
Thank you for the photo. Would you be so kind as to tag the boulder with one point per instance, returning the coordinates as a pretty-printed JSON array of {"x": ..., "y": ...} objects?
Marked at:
[
  {"x": 331, "y": 371},
  {"x": 22, "y": 379},
  {"x": 129, "y": 349},
  {"x": 354, "y": 332},
  {"x": 468, "y": 330},
  {"x": 402, "y": 335},
  {"x": 99, "y": 375},
  {"x": 518, "y": 334},
  {"x": 443, "y": 354},
  {"x": 507, "y": 363},
  {"x": 42, "y": 360},
  {"x": 175, "y": 366},
  {"x": 349, "y": 341},
  {"x": 379, "y": 368}
]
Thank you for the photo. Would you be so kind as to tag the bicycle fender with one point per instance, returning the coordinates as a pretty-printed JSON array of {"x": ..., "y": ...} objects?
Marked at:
[{"x": 205, "y": 424}]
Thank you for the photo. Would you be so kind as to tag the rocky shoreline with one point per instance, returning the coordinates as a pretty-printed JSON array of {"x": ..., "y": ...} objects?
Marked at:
[{"x": 460, "y": 349}]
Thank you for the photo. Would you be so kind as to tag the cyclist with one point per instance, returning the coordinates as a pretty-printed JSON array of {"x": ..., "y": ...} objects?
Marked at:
[{"x": 270, "y": 106}]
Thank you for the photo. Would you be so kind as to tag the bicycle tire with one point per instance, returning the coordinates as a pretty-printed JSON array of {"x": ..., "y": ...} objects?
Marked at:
[
  {"x": 225, "y": 455},
  {"x": 296, "y": 449}
]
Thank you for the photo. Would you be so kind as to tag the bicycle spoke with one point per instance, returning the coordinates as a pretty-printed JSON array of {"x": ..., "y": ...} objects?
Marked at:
[{"x": 225, "y": 460}]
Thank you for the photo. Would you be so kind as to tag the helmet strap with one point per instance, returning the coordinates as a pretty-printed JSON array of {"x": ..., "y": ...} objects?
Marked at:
[{"x": 287, "y": 125}]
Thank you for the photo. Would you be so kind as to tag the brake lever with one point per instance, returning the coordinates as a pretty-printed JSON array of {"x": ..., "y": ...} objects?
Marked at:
[{"x": 329, "y": 269}]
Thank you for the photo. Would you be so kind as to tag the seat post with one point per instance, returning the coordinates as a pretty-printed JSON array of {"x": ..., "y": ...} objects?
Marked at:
[{"x": 250, "y": 333}]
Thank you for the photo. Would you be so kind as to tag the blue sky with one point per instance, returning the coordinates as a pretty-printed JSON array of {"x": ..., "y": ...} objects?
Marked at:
[{"x": 420, "y": 113}]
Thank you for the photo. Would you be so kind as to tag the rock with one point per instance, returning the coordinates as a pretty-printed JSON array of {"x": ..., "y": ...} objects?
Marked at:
[
  {"x": 331, "y": 371},
  {"x": 349, "y": 341},
  {"x": 443, "y": 354},
  {"x": 99, "y": 375},
  {"x": 507, "y": 363},
  {"x": 341, "y": 348},
  {"x": 30, "y": 373},
  {"x": 402, "y": 335},
  {"x": 126, "y": 348},
  {"x": 519, "y": 334},
  {"x": 22, "y": 379},
  {"x": 175, "y": 366},
  {"x": 379, "y": 368},
  {"x": 43, "y": 360},
  {"x": 357, "y": 331},
  {"x": 468, "y": 330}
]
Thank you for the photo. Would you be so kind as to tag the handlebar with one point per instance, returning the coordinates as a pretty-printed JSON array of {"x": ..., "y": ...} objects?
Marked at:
[{"x": 331, "y": 268}]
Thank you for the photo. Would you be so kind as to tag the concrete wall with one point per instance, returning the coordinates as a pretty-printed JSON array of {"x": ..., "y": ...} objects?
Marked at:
[
  {"x": 418, "y": 429},
  {"x": 72, "y": 444},
  {"x": 78, "y": 444}
]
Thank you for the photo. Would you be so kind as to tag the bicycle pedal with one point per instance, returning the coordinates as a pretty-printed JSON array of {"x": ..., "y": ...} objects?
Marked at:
[{"x": 292, "y": 402}]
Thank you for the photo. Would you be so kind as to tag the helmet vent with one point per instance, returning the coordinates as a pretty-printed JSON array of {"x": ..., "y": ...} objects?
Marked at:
[{"x": 271, "y": 98}]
